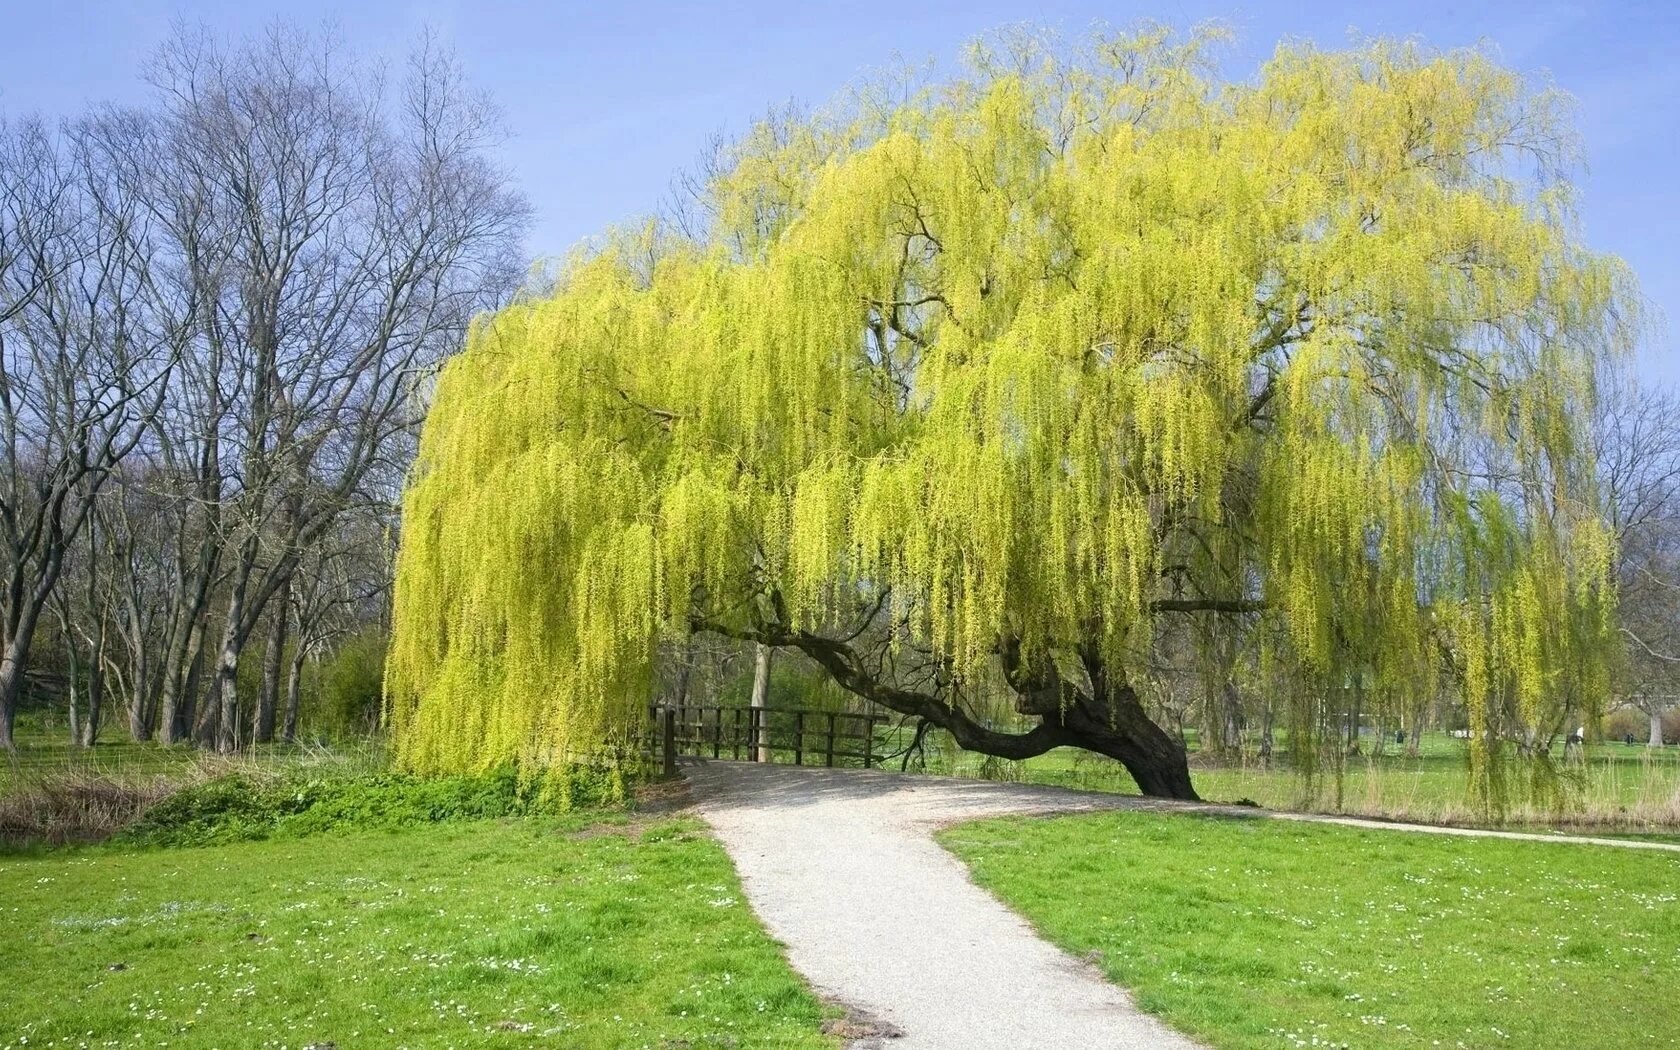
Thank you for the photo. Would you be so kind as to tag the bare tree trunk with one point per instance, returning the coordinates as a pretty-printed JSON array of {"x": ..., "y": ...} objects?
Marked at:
[
  {"x": 170, "y": 721},
  {"x": 11, "y": 684},
  {"x": 224, "y": 685},
  {"x": 175, "y": 703},
  {"x": 1234, "y": 720},
  {"x": 208, "y": 716},
  {"x": 181, "y": 721},
  {"x": 138, "y": 639},
  {"x": 761, "y": 693},
  {"x": 192, "y": 595},
  {"x": 268, "y": 697},
  {"x": 1656, "y": 738},
  {"x": 12, "y": 662},
  {"x": 96, "y": 689},
  {"x": 73, "y": 655},
  {"x": 294, "y": 690},
  {"x": 1213, "y": 740}
]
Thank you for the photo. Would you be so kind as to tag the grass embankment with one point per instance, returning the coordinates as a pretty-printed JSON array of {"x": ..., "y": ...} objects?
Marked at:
[{"x": 1258, "y": 933}]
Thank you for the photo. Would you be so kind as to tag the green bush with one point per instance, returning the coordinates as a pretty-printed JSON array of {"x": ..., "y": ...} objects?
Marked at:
[
  {"x": 239, "y": 807},
  {"x": 344, "y": 690}
]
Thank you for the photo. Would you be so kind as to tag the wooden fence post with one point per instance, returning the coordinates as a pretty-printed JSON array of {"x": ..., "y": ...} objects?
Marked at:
[
  {"x": 799, "y": 738},
  {"x": 868, "y": 741},
  {"x": 668, "y": 734},
  {"x": 831, "y": 738}
]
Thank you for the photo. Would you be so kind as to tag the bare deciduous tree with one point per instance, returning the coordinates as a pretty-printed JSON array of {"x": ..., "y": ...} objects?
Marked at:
[
  {"x": 218, "y": 312},
  {"x": 1639, "y": 465},
  {"x": 84, "y": 355}
]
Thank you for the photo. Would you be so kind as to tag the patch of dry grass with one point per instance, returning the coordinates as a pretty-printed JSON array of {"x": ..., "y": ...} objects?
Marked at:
[
  {"x": 55, "y": 797},
  {"x": 76, "y": 807}
]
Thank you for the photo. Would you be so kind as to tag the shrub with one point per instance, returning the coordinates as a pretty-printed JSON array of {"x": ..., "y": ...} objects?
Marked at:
[
  {"x": 348, "y": 685},
  {"x": 241, "y": 806}
]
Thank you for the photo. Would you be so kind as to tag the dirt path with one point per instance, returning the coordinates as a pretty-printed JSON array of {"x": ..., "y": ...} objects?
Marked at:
[{"x": 842, "y": 868}]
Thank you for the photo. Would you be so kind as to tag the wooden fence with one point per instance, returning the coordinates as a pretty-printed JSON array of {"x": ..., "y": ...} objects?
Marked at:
[{"x": 810, "y": 736}]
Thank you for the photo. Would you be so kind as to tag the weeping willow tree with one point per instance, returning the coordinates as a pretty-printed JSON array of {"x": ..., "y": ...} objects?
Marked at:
[{"x": 981, "y": 384}]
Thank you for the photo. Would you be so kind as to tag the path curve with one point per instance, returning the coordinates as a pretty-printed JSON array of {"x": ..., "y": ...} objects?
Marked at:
[{"x": 841, "y": 866}]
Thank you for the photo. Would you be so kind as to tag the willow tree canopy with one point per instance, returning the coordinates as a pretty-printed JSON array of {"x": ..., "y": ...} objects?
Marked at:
[{"x": 992, "y": 378}]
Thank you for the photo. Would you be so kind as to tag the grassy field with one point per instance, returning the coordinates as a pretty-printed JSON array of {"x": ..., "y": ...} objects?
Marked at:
[
  {"x": 605, "y": 929},
  {"x": 1255, "y": 933},
  {"x": 1616, "y": 787},
  {"x": 563, "y": 932}
]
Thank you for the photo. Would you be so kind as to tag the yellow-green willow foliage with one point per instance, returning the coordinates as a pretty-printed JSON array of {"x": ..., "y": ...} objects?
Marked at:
[{"x": 1040, "y": 350}]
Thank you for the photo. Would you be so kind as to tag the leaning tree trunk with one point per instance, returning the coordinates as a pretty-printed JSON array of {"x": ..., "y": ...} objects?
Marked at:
[
  {"x": 12, "y": 662},
  {"x": 191, "y": 682},
  {"x": 1108, "y": 718},
  {"x": 180, "y": 671},
  {"x": 1121, "y": 729}
]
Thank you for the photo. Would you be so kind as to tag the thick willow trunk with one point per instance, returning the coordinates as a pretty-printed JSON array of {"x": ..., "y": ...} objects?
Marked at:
[
  {"x": 1106, "y": 718},
  {"x": 1123, "y": 731}
]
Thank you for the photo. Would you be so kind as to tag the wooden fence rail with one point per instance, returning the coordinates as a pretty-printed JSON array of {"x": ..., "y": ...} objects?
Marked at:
[{"x": 744, "y": 732}]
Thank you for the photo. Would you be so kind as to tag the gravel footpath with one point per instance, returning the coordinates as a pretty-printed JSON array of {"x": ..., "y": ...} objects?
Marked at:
[{"x": 842, "y": 868}]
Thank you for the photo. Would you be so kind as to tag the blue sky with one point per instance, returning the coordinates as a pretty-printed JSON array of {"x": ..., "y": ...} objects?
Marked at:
[{"x": 607, "y": 101}]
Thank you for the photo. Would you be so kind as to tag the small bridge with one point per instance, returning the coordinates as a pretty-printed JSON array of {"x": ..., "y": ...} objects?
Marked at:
[{"x": 810, "y": 736}]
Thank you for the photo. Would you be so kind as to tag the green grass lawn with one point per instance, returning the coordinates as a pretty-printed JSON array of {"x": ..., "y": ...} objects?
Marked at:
[
  {"x": 538, "y": 932},
  {"x": 1617, "y": 787},
  {"x": 1257, "y": 933}
]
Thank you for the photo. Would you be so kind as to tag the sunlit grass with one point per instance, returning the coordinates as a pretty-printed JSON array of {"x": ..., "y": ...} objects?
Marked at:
[
  {"x": 1614, "y": 787},
  {"x": 535, "y": 933},
  {"x": 1260, "y": 933}
]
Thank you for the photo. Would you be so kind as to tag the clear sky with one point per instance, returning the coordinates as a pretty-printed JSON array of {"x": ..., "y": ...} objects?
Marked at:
[{"x": 606, "y": 101}]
